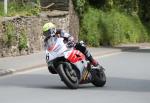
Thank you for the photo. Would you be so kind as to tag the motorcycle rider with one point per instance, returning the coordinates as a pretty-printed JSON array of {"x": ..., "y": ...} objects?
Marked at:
[{"x": 49, "y": 30}]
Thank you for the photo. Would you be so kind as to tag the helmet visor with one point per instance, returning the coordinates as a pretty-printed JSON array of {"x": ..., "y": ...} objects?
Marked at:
[
  {"x": 46, "y": 33},
  {"x": 50, "y": 32}
]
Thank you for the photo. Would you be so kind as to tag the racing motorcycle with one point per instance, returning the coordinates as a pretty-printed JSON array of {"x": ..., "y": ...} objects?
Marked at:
[{"x": 71, "y": 65}]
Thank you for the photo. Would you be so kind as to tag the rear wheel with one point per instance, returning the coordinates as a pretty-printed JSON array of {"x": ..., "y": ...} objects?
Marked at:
[
  {"x": 68, "y": 75},
  {"x": 98, "y": 77}
]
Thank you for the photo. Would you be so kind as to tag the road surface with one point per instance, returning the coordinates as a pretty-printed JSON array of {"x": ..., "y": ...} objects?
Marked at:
[{"x": 128, "y": 81}]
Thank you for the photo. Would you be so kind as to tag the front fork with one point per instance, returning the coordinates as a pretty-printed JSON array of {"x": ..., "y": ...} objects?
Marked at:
[
  {"x": 86, "y": 75},
  {"x": 51, "y": 67}
]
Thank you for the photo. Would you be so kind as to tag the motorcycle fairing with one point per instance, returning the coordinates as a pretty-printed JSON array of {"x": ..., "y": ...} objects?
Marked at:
[
  {"x": 54, "y": 48},
  {"x": 76, "y": 58}
]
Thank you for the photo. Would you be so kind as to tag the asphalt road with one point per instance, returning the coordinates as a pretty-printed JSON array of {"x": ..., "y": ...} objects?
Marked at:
[{"x": 128, "y": 81}]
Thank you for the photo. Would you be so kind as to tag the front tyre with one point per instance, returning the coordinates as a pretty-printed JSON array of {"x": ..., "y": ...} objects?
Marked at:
[
  {"x": 98, "y": 77},
  {"x": 52, "y": 70},
  {"x": 68, "y": 75}
]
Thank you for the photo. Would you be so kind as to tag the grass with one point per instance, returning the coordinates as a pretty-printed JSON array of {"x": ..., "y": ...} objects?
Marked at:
[{"x": 16, "y": 9}]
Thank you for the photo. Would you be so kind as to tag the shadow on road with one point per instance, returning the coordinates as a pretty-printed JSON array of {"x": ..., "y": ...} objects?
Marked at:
[
  {"x": 134, "y": 49},
  {"x": 53, "y": 82},
  {"x": 33, "y": 81},
  {"x": 141, "y": 51}
]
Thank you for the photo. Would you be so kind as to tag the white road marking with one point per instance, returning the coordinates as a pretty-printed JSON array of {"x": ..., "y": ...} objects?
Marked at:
[{"x": 107, "y": 55}]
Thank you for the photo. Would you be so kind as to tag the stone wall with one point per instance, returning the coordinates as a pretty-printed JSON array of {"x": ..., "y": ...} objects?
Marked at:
[
  {"x": 32, "y": 28},
  {"x": 23, "y": 35},
  {"x": 74, "y": 21}
]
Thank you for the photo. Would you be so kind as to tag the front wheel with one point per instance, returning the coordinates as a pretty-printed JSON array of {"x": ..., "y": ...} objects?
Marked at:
[
  {"x": 68, "y": 75},
  {"x": 98, "y": 77}
]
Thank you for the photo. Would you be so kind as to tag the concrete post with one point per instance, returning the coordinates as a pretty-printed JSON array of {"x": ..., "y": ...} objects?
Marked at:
[{"x": 5, "y": 6}]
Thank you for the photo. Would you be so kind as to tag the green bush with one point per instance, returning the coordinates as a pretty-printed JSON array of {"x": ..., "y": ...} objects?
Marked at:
[
  {"x": 80, "y": 6},
  {"x": 116, "y": 28},
  {"x": 11, "y": 39},
  {"x": 10, "y": 33},
  {"x": 22, "y": 40},
  {"x": 89, "y": 27},
  {"x": 111, "y": 28}
]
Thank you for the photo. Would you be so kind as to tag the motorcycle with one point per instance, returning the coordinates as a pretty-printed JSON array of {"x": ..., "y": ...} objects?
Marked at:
[{"x": 71, "y": 65}]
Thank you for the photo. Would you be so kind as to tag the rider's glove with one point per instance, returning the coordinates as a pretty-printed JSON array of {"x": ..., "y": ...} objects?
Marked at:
[
  {"x": 70, "y": 44},
  {"x": 82, "y": 43}
]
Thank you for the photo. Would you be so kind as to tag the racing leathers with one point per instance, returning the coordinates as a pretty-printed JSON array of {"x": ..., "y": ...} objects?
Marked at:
[{"x": 69, "y": 40}]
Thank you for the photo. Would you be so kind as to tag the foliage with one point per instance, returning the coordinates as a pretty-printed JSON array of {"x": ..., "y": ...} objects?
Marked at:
[
  {"x": 89, "y": 30},
  {"x": 80, "y": 6},
  {"x": 9, "y": 36},
  {"x": 123, "y": 5},
  {"x": 111, "y": 22},
  {"x": 15, "y": 8},
  {"x": 111, "y": 28},
  {"x": 144, "y": 10},
  {"x": 116, "y": 28},
  {"x": 97, "y": 3},
  {"x": 22, "y": 40}
]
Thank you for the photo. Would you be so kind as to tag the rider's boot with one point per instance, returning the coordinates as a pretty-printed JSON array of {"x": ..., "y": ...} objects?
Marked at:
[
  {"x": 91, "y": 59},
  {"x": 82, "y": 47},
  {"x": 94, "y": 62}
]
